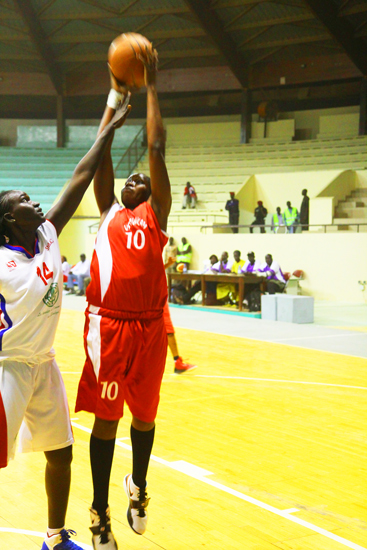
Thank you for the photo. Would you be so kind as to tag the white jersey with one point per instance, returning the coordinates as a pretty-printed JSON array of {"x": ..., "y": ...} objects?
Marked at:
[{"x": 30, "y": 298}]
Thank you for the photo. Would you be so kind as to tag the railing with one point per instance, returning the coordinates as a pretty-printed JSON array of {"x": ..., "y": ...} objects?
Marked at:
[
  {"x": 135, "y": 151},
  {"x": 285, "y": 229}
]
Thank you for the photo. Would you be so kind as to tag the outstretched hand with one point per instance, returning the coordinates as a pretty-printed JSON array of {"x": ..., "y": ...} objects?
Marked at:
[
  {"x": 122, "y": 112},
  {"x": 150, "y": 62}
]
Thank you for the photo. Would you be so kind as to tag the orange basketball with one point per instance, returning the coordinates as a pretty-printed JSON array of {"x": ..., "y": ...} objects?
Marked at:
[
  {"x": 180, "y": 267},
  {"x": 123, "y": 57}
]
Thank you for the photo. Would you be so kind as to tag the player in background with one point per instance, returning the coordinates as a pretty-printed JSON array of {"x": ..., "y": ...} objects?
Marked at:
[
  {"x": 31, "y": 283},
  {"x": 125, "y": 338},
  {"x": 180, "y": 366}
]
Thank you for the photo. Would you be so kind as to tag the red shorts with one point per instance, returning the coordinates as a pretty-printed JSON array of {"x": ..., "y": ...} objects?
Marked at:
[
  {"x": 167, "y": 319},
  {"x": 125, "y": 362}
]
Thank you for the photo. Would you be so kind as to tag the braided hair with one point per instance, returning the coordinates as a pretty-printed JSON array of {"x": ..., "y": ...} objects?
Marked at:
[{"x": 4, "y": 209}]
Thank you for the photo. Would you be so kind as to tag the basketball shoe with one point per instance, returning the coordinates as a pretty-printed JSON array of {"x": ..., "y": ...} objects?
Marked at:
[
  {"x": 102, "y": 538},
  {"x": 60, "y": 541},
  {"x": 138, "y": 502},
  {"x": 181, "y": 367}
]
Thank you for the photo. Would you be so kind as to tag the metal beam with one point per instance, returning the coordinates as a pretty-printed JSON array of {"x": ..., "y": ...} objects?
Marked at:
[
  {"x": 227, "y": 47},
  {"x": 40, "y": 41},
  {"x": 342, "y": 31}
]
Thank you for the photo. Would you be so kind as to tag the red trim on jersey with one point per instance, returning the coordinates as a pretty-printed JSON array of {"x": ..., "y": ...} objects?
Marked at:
[{"x": 3, "y": 436}]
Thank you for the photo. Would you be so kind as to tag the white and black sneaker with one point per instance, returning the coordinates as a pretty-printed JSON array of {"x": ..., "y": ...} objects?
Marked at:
[
  {"x": 102, "y": 538},
  {"x": 138, "y": 502}
]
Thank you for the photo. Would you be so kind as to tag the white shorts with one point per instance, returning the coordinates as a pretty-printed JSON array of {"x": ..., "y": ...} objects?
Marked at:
[{"x": 33, "y": 403}]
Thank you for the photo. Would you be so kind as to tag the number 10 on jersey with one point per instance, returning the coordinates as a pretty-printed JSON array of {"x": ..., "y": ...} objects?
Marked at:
[{"x": 138, "y": 241}]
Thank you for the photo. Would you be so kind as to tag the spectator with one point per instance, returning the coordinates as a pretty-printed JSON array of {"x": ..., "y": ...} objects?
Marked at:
[
  {"x": 260, "y": 214},
  {"x": 290, "y": 217},
  {"x": 232, "y": 206},
  {"x": 238, "y": 263},
  {"x": 305, "y": 211},
  {"x": 184, "y": 253},
  {"x": 189, "y": 197},
  {"x": 275, "y": 278},
  {"x": 171, "y": 252},
  {"x": 277, "y": 220},
  {"x": 210, "y": 286},
  {"x": 65, "y": 268},
  {"x": 251, "y": 265},
  {"x": 224, "y": 290},
  {"x": 77, "y": 274}
]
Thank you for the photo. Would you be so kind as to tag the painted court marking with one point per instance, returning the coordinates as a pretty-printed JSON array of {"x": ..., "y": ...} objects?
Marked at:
[
  {"x": 281, "y": 381},
  {"x": 37, "y": 534},
  {"x": 200, "y": 474}
]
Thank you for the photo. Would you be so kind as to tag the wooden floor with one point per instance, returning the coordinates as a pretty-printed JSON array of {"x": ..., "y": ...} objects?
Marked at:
[{"x": 262, "y": 447}]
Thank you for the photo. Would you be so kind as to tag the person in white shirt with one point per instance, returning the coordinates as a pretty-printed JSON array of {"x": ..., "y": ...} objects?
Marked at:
[
  {"x": 251, "y": 265},
  {"x": 33, "y": 400},
  {"x": 77, "y": 274},
  {"x": 65, "y": 267},
  {"x": 275, "y": 278}
]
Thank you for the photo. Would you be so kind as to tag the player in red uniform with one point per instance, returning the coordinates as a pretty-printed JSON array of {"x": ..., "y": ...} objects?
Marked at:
[{"x": 125, "y": 337}]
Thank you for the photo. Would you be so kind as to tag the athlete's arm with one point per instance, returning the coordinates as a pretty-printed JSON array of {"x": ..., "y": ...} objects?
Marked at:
[
  {"x": 83, "y": 174},
  {"x": 160, "y": 198}
]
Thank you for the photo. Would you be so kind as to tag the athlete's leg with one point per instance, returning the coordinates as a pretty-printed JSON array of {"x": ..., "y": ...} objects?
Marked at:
[
  {"x": 102, "y": 447},
  {"x": 172, "y": 343},
  {"x": 142, "y": 437},
  {"x": 57, "y": 476}
]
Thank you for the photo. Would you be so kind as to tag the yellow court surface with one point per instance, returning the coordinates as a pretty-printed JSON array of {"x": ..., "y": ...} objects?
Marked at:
[{"x": 262, "y": 447}]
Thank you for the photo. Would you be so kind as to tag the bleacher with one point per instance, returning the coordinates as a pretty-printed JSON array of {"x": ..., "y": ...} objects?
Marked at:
[
  {"x": 215, "y": 169},
  {"x": 39, "y": 168}
]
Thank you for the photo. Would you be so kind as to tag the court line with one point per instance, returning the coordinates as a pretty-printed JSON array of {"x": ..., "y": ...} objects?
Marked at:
[
  {"x": 37, "y": 534},
  {"x": 285, "y": 514},
  {"x": 274, "y": 380},
  {"x": 276, "y": 341}
]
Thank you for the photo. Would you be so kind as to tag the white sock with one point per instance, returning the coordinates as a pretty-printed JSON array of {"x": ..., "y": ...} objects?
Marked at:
[{"x": 50, "y": 533}]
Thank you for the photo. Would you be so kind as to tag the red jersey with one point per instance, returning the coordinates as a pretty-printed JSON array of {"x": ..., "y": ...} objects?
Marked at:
[{"x": 127, "y": 272}]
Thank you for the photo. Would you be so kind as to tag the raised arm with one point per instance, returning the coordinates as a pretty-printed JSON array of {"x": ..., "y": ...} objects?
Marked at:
[
  {"x": 160, "y": 198},
  {"x": 83, "y": 174},
  {"x": 104, "y": 179}
]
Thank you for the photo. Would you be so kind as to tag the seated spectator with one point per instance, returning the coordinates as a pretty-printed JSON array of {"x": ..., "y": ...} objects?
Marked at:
[
  {"x": 275, "y": 278},
  {"x": 277, "y": 220},
  {"x": 238, "y": 263},
  {"x": 251, "y": 265},
  {"x": 184, "y": 253},
  {"x": 210, "y": 286},
  {"x": 291, "y": 217},
  {"x": 171, "y": 252},
  {"x": 224, "y": 290},
  {"x": 260, "y": 214},
  {"x": 65, "y": 268},
  {"x": 77, "y": 274},
  {"x": 190, "y": 197}
]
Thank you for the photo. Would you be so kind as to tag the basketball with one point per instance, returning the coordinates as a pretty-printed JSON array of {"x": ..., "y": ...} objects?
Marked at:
[
  {"x": 123, "y": 58},
  {"x": 180, "y": 267}
]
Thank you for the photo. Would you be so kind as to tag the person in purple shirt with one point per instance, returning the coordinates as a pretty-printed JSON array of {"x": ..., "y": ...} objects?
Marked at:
[
  {"x": 251, "y": 265},
  {"x": 275, "y": 278},
  {"x": 224, "y": 265}
]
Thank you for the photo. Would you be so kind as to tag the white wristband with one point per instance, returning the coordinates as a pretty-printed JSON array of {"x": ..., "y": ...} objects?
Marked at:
[{"x": 114, "y": 98}]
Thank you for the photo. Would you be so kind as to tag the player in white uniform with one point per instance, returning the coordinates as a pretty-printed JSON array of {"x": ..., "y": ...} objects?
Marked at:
[{"x": 32, "y": 395}]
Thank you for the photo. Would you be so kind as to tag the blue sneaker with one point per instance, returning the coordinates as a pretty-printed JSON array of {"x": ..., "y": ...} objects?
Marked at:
[{"x": 61, "y": 541}]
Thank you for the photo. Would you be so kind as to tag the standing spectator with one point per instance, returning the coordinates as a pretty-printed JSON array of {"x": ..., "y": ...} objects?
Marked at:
[
  {"x": 275, "y": 278},
  {"x": 77, "y": 274},
  {"x": 184, "y": 253},
  {"x": 189, "y": 197},
  {"x": 232, "y": 206},
  {"x": 260, "y": 214},
  {"x": 305, "y": 210},
  {"x": 277, "y": 220},
  {"x": 290, "y": 217},
  {"x": 238, "y": 263},
  {"x": 170, "y": 252}
]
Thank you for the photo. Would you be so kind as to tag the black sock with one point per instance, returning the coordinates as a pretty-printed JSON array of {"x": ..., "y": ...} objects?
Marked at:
[
  {"x": 142, "y": 443},
  {"x": 101, "y": 455},
  {"x": 175, "y": 358}
]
